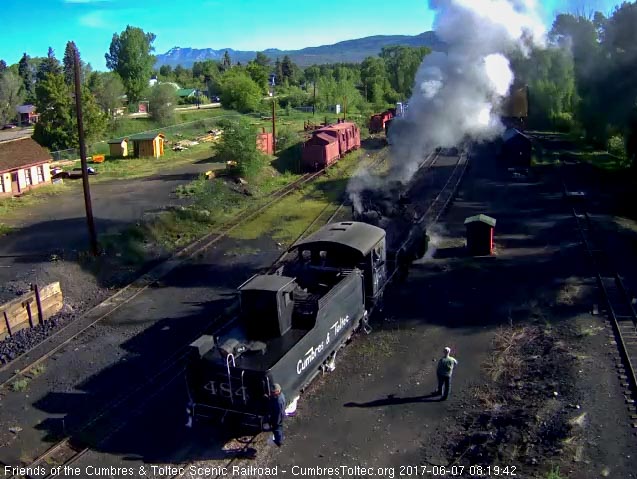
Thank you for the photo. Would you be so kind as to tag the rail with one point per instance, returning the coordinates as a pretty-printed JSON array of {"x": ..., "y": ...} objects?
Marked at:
[
  {"x": 69, "y": 450},
  {"x": 437, "y": 206},
  {"x": 142, "y": 283},
  {"x": 618, "y": 301}
]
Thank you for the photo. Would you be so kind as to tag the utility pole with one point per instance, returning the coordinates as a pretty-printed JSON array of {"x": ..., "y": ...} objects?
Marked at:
[
  {"x": 80, "y": 129},
  {"x": 314, "y": 102},
  {"x": 273, "y": 125},
  {"x": 344, "y": 108}
]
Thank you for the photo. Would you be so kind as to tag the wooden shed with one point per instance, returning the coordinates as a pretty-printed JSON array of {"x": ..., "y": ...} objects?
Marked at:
[
  {"x": 118, "y": 148},
  {"x": 148, "y": 145},
  {"x": 480, "y": 230}
]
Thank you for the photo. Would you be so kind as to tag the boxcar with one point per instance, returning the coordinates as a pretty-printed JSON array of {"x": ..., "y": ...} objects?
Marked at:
[{"x": 330, "y": 143}]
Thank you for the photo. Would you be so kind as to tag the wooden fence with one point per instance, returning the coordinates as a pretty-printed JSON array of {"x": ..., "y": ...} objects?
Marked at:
[{"x": 30, "y": 309}]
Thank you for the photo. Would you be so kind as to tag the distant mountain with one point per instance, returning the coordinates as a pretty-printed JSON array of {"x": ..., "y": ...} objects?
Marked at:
[{"x": 351, "y": 51}]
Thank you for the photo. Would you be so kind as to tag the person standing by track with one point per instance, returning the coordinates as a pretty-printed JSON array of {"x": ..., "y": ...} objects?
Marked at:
[
  {"x": 277, "y": 413},
  {"x": 444, "y": 373}
]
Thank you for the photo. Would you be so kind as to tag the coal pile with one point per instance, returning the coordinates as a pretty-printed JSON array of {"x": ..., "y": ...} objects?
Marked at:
[{"x": 22, "y": 341}]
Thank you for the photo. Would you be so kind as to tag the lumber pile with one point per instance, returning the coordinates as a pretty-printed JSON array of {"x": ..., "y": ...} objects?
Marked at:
[{"x": 30, "y": 309}]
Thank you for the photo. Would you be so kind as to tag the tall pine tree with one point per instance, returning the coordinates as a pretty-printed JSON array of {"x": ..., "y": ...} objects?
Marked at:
[
  {"x": 55, "y": 126},
  {"x": 226, "y": 63},
  {"x": 49, "y": 65},
  {"x": 25, "y": 72},
  {"x": 68, "y": 62}
]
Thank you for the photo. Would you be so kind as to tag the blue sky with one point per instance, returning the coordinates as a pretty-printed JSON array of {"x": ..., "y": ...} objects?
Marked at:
[{"x": 238, "y": 24}]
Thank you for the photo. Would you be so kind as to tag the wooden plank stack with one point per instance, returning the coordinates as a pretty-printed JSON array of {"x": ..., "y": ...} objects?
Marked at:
[{"x": 30, "y": 309}]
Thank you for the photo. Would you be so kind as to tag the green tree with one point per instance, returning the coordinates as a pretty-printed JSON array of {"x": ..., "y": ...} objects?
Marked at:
[
  {"x": 94, "y": 119},
  {"x": 68, "y": 63},
  {"x": 312, "y": 74},
  {"x": 262, "y": 60},
  {"x": 375, "y": 80},
  {"x": 165, "y": 71},
  {"x": 26, "y": 73},
  {"x": 55, "y": 126},
  {"x": 226, "y": 63},
  {"x": 10, "y": 95},
  {"x": 49, "y": 65},
  {"x": 259, "y": 75},
  {"x": 550, "y": 76},
  {"x": 108, "y": 90},
  {"x": 278, "y": 72},
  {"x": 239, "y": 143},
  {"x": 289, "y": 70},
  {"x": 130, "y": 55},
  {"x": 401, "y": 65},
  {"x": 239, "y": 91},
  {"x": 162, "y": 102}
]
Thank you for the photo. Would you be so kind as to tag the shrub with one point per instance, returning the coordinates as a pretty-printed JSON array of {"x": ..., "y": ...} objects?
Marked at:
[
  {"x": 617, "y": 146},
  {"x": 239, "y": 143},
  {"x": 162, "y": 102}
]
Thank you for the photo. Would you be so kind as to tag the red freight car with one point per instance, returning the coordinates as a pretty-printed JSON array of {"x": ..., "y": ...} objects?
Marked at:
[
  {"x": 330, "y": 143},
  {"x": 377, "y": 122}
]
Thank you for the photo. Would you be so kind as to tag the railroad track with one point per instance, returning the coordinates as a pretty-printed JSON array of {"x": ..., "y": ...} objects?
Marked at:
[
  {"x": 119, "y": 412},
  {"x": 134, "y": 289},
  {"x": 433, "y": 212},
  {"x": 617, "y": 300},
  {"x": 440, "y": 202}
]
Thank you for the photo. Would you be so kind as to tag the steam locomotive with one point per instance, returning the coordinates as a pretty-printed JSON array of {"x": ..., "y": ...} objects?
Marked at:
[{"x": 290, "y": 326}]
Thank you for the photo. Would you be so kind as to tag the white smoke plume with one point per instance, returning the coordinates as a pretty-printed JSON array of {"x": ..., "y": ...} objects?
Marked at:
[{"x": 456, "y": 94}]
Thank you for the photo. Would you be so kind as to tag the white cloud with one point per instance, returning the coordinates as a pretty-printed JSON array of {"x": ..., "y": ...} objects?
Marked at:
[{"x": 94, "y": 19}]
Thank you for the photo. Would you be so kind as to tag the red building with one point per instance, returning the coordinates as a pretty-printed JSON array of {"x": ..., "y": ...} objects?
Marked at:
[{"x": 330, "y": 143}]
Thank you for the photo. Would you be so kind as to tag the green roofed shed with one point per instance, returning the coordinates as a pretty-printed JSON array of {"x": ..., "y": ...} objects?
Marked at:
[
  {"x": 480, "y": 231},
  {"x": 148, "y": 144},
  {"x": 118, "y": 147},
  {"x": 186, "y": 92},
  {"x": 483, "y": 218}
]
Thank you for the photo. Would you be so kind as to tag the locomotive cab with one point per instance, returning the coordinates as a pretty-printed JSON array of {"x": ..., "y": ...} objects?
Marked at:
[{"x": 349, "y": 245}]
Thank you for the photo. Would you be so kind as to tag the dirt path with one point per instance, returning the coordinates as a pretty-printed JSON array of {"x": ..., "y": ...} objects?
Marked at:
[{"x": 59, "y": 227}]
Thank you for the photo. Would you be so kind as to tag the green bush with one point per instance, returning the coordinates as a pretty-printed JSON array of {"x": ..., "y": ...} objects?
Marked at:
[
  {"x": 617, "y": 146},
  {"x": 239, "y": 143},
  {"x": 563, "y": 122},
  {"x": 285, "y": 137}
]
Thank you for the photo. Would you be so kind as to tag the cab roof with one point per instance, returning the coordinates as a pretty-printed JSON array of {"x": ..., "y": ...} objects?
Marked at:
[{"x": 361, "y": 237}]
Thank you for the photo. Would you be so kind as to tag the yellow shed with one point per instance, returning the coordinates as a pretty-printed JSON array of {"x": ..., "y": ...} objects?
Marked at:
[
  {"x": 118, "y": 148},
  {"x": 148, "y": 145}
]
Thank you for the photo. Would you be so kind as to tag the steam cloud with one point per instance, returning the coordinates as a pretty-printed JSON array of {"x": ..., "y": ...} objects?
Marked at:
[{"x": 456, "y": 94}]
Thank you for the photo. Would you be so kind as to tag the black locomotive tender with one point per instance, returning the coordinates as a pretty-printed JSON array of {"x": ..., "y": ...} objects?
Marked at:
[{"x": 291, "y": 324}]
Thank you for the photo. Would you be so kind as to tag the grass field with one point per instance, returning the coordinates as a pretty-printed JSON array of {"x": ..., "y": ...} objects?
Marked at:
[{"x": 214, "y": 203}]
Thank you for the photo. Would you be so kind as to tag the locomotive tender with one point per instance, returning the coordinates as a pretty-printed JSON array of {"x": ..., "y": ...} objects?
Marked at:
[{"x": 290, "y": 325}]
